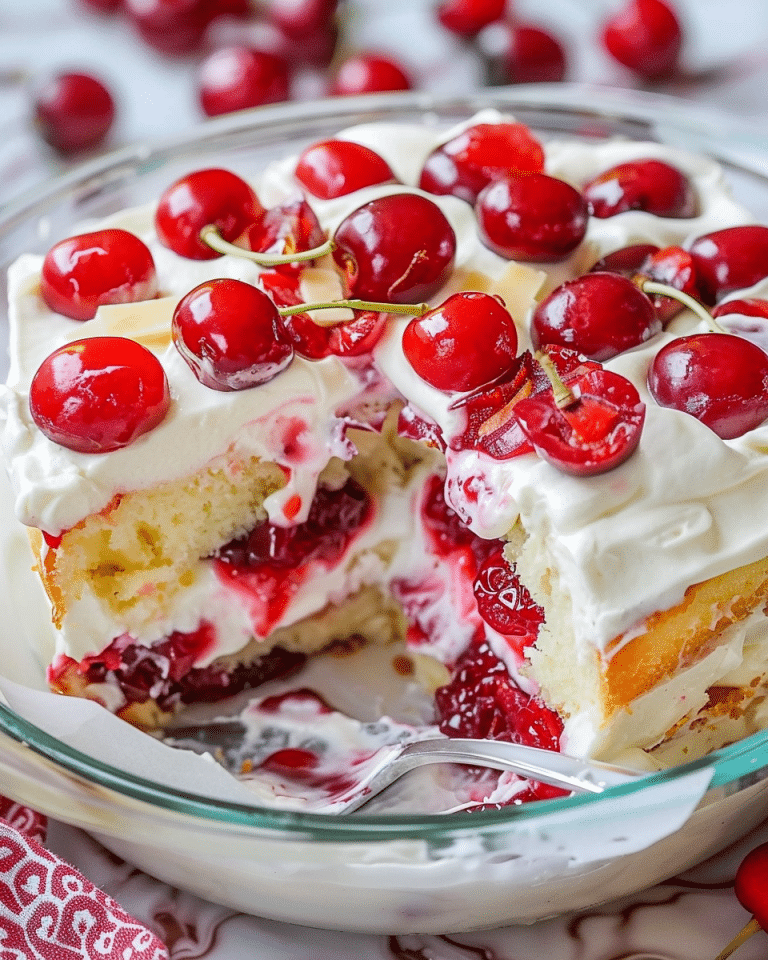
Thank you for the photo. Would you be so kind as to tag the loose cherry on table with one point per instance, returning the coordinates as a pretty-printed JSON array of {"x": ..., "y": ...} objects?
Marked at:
[
  {"x": 730, "y": 259},
  {"x": 466, "y": 163},
  {"x": 645, "y": 184},
  {"x": 646, "y": 37},
  {"x": 466, "y": 18},
  {"x": 750, "y": 888},
  {"x": 368, "y": 73},
  {"x": 99, "y": 394},
  {"x": 240, "y": 77},
  {"x": 397, "y": 248},
  {"x": 172, "y": 27},
  {"x": 335, "y": 168},
  {"x": 73, "y": 112},
  {"x": 301, "y": 19},
  {"x": 535, "y": 218},
  {"x": 467, "y": 341},
  {"x": 83, "y": 272},
  {"x": 532, "y": 55}
]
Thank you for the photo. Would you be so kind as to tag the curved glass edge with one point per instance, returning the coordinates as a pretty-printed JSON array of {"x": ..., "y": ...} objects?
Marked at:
[{"x": 636, "y": 114}]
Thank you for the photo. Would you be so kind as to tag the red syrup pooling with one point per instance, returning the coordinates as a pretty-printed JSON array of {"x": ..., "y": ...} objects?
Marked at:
[{"x": 269, "y": 564}]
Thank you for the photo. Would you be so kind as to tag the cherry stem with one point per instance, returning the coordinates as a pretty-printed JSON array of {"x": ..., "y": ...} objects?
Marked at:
[
  {"x": 652, "y": 286},
  {"x": 751, "y": 928},
  {"x": 564, "y": 397},
  {"x": 211, "y": 236},
  {"x": 409, "y": 309}
]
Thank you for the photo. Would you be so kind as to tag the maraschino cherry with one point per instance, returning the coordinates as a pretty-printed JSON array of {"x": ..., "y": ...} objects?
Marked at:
[
  {"x": 99, "y": 394},
  {"x": 335, "y": 168},
  {"x": 645, "y": 184},
  {"x": 750, "y": 888},
  {"x": 467, "y": 341},
  {"x": 83, "y": 272},
  {"x": 73, "y": 112},
  {"x": 646, "y": 37}
]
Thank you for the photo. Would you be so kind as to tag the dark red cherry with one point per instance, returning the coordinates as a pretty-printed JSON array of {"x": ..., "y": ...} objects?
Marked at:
[
  {"x": 646, "y": 37},
  {"x": 746, "y": 318},
  {"x": 595, "y": 432},
  {"x": 626, "y": 260},
  {"x": 334, "y": 168},
  {"x": 83, "y": 272},
  {"x": 73, "y": 112},
  {"x": 730, "y": 259},
  {"x": 239, "y": 77},
  {"x": 99, "y": 394},
  {"x": 211, "y": 196},
  {"x": 598, "y": 314},
  {"x": 300, "y": 19},
  {"x": 466, "y": 18},
  {"x": 534, "y": 218},
  {"x": 746, "y": 306},
  {"x": 466, "y": 163},
  {"x": 231, "y": 335},
  {"x": 171, "y": 27},
  {"x": 646, "y": 184},
  {"x": 102, "y": 6},
  {"x": 398, "y": 248},
  {"x": 533, "y": 55},
  {"x": 675, "y": 267},
  {"x": 369, "y": 73},
  {"x": 720, "y": 379},
  {"x": 503, "y": 601},
  {"x": 290, "y": 227},
  {"x": 466, "y": 342}
]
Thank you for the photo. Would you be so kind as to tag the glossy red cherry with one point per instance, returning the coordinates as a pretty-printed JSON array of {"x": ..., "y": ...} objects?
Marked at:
[
  {"x": 81, "y": 273},
  {"x": 750, "y": 886},
  {"x": 334, "y": 168},
  {"x": 231, "y": 335},
  {"x": 598, "y": 314},
  {"x": 646, "y": 37},
  {"x": 746, "y": 318},
  {"x": 503, "y": 601},
  {"x": 73, "y": 112},
  {"x": 466, "y": 163},
  {"x": 720, "y": 379},
  {"x": 534, "y": 218},
  {"x": 239, "y": 77},
  {"x": 595, "y": 431},
  {"x": 533, "y": 55},
  {"x": 99, "y": 394},
  {"x": 646, "y": 184},
  {"x": 466, "y": 18},
  {"x": 171, "y": 27},
  {"x": 398, "y": 248},
  {"x": 290, "y": 227},
  {"x": 730, "y": 259},
  {"x": 676, "y": 268},
  {"x": 369, "y": 73},
  {"x": 206, "y": 197},
  {"x": 466, "y": 342},
  {"x": 626, "y": 260}
]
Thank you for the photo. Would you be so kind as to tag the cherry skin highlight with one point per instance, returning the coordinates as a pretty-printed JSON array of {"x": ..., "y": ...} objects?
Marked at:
[
  {"x": 335, "y": 168},
  {"x": 368, "y": 73},
  {"x": 239, "y": 77},
  {"x": 99, "y": 394},
  {"x": 646, "y": 37},
  {"x": 644, "y": 184},
  {"x": 73, "y": 112},
  {"x": 206, "y": 197},
  {"x": 83, "y": 272},
  {"x": 468, "y": 341},
  {"x": 231, "y": 335},
  {"x": 730, "y": 259}
]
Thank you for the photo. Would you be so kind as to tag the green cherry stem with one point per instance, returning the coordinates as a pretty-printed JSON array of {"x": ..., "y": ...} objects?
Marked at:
[
  {"x": 211, "y": 236},
  {"x": 564, "y": 397},
  {"x": 652, "y": 286},
  {"x": 409, "y": 309}
]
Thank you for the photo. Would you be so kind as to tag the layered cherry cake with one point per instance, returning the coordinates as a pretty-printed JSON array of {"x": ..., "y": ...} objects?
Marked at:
[{"x": 497, "y": 401}]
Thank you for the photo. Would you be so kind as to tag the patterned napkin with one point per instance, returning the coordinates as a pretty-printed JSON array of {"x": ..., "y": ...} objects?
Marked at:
[{"x": 49, "y": 911}]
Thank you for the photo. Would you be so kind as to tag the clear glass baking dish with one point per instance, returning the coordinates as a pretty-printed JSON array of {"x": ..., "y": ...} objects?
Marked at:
[{"x": 383, "y": 873}]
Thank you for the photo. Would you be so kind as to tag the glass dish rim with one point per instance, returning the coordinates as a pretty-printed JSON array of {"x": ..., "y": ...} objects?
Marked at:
[{"x": 732, "y": 764}]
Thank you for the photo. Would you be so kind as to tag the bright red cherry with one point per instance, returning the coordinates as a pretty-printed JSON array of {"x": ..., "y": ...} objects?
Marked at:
[
  {"x": 533, "y": 55},
  {"x": 299, "y": 19},
  {"x": 625, "y": 260},
  {"x": 595, "y": 431},
  {"x": 172, "y": 27},
  {"x": 676, "y": 268},
  {"x": 746, "y": 318},
  {"x": 466, "y": 18},
  {"x": 290, "y": 227},
  {"x": 73, "y": 112},
  {"x": 334, "y": 168},
  {"x": 466, "y": 342},
  {"x": 598, "y": 314},
  {"x": 99, "y": 394},
  {"x": 503, "y": 601},
  {"x": 206, "y": 197},
  {"x": 730, "y": 259},
  {"x": 646, "y": 184},
  {"x": 398, "y": 248},
  {"x": 231, "y": 335},
  {"x": 646, "y": 37},
  {"x": 83, "y": 272},
  {"x": 532, "y": 218},
  {"x": 466, "y": 163},
  {"x": 720, "y": 379},
  {"x": 237, "y": 78},
  {"x": 751, "y": 884},
  {"x": 369, "y": 73}
]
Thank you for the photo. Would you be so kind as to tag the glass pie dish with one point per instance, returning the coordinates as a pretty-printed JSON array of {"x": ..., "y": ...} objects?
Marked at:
[{"x": 393, "y": 873}]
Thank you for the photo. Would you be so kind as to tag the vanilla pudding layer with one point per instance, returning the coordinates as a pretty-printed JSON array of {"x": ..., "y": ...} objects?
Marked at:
[{"x": 614, "y": 558}]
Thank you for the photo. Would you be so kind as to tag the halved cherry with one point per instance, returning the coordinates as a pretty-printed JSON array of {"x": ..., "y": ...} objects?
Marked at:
[
  {"x": 645, "y": 184},
  {"x": 99, "y": 394},
  {"x": 334, "y": 168},
  {"x": 231, "y": 335},
  {"x": 467, "y": 341},
  {"x": 83, "y": 272},
  {"x": 730, "y": 259},
  {"x": 466, "y": 163}
]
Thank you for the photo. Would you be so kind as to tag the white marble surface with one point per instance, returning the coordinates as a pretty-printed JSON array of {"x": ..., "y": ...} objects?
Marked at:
[{"x": 727, "y": 67}]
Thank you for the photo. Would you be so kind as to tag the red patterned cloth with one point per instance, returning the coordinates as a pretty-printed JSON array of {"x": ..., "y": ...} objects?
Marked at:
[{"x": 49, "y": 911}]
